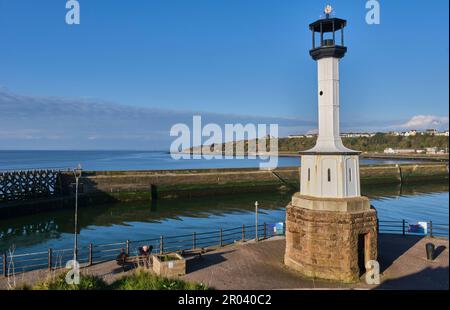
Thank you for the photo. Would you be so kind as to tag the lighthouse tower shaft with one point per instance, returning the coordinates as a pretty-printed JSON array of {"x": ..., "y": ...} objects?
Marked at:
[
  {"x": 329, "y": 169},
  {"x": 328, "y": 85}
]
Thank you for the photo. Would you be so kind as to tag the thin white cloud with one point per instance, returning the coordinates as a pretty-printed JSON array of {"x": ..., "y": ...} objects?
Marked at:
[{"x": 426, "y": 122}]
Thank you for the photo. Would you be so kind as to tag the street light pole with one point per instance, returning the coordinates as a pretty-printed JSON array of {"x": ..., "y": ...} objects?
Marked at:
[
  {"x": 77, "y": 173},
  {"x": 256, "y": 221}
]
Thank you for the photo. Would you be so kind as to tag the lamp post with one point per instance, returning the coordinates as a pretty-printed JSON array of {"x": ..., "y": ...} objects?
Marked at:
[
  {"x": 256, "y": 221},
  {"x": 77, "y": 173}
]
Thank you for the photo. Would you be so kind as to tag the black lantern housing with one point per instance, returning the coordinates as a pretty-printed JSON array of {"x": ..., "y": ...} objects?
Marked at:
[{"x": 328, "y": 46}]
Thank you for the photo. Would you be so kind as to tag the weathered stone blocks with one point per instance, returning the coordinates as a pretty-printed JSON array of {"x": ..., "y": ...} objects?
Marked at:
[{"x": 327, "y": 244}]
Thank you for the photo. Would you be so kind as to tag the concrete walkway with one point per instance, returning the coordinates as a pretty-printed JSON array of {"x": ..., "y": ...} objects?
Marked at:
[{"x": 260, "y": 266}]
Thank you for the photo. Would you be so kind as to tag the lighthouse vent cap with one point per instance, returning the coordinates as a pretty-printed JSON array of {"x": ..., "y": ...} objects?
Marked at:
[{"x": 326, "y": 25}]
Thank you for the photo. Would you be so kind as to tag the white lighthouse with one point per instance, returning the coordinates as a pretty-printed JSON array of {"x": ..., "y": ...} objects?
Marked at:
[
  {"x": 331, "y": 230},
  {"x": 329, "y": 169}
]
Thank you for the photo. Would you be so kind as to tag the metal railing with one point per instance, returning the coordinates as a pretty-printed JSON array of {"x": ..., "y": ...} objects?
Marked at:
[{"x": 90, "y": 254}]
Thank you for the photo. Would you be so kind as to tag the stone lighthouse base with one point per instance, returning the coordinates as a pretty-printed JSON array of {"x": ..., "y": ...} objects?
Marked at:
[{"x": 330, "y": 238}]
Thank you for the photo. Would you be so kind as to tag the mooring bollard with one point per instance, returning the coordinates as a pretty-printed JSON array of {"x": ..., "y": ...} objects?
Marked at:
[{"x": 430, "y": 251}]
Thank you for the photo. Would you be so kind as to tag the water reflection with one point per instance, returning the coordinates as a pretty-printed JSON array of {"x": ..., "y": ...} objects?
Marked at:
[{"x": 121, "y": 221}]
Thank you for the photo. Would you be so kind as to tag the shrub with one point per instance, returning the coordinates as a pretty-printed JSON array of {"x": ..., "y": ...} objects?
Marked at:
[
  {"x": 87, "y": 282},
  {"x": 142, "y": 279}
]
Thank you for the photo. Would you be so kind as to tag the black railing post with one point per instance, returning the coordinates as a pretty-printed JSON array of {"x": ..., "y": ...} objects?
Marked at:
[
  {"x": 403, "y": 227},
  {"x": 194, "y": 240},
  {"x": 265, "y": 231},
  {"x": 243, "y": 232},
  {"x": 221, "y": 238},
  {"x": 50, "y": 254},
  {"x": 90, "y": 254},
  {"x": 161, "y": 244},
  {"x": 4, "y": 264},
  {"x": 431, "y": 229}
]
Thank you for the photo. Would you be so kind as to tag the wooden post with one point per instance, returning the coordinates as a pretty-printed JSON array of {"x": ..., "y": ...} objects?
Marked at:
[
  {"x": 50, "y": 252},
  {"x": 127, "y": 247},
  {"x": 431, "y": 229},
  {"x": 403, "y": 227},
  {"x": 221, "y": 238},
  {"x": 4, "y": 264},
  {"x": 265, "y": 230},
  {"x": 194, "y": 240},
  {"x": 90, "y": 254},
  {"x": 161, "y": 245},
  {"x": 243, "y": 233}
]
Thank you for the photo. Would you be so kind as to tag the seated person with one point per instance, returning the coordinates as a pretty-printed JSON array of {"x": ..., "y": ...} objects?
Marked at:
[
  {"x": 144, "y": 253},
  {"x": 121, "y": 258}
]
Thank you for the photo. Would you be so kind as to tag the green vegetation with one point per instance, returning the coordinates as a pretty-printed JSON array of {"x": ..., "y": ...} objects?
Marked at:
[
  {"x": 87, "y": 282},
  {"x": 140, "y": 279},
  {"x": 144, "y": 280},
  {"x": 376, "y": 143},
  {"x": 167, "y": 258}
]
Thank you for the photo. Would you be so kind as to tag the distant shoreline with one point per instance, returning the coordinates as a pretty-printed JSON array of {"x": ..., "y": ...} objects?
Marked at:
[{"x": 426, "y": 157}]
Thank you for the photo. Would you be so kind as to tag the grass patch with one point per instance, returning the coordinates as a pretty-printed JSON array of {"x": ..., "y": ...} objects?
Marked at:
[
  {"x": 140, "y": 279},
  {"x": 87, "y": 282}
]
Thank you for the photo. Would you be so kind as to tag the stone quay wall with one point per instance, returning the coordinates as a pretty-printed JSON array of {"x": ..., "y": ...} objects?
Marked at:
[{"x": 112, "y": 186}]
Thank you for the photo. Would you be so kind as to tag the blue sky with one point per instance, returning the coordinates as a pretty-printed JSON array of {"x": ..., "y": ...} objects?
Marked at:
[{"x": 243, "y": 60}]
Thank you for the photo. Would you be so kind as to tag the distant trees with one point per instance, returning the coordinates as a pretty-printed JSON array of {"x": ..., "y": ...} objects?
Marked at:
[{"x": 377, "y": 143}]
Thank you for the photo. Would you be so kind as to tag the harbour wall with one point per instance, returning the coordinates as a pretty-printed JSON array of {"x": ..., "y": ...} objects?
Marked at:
[{"x": 122, "y": 186}]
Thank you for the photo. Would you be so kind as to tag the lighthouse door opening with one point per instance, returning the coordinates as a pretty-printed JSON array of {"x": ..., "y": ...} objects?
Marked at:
[{"x": 362, "y": 253}]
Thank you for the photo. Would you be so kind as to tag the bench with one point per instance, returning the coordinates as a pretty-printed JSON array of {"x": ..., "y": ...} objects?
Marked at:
[
  {"x": 194, "y": 252},
  {"x": 136, "y": 261}
]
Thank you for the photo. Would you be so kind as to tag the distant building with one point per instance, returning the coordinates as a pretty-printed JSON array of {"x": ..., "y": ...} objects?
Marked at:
[
  {"x": 442, "y": 134},
  {"x": 399, "y": 151},
  {"x": 394, "y": 133},
  {"x": 357, "y": 135},
  {"x": 296, "y": 136},
  {"x": 431, "y": 132},
  {"x": 431, "y": 150},
  {"x": 410, "y": 133}
]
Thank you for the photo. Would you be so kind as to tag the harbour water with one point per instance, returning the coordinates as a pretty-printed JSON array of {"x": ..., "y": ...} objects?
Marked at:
[
  {"x": 143, "y": 220},
  {"x": 134, "y": 160}
]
